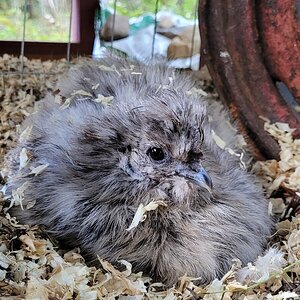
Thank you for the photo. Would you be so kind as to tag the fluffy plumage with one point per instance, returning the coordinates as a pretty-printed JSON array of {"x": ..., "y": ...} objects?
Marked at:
[{"x": 152, "y": 143}]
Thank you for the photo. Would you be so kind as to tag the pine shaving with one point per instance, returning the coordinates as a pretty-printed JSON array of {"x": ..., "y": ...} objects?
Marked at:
[
  {"x": 69, "y": 100},
  {"x": 141, "y": 213},
  {"x": 94, "y": 87},
  {"x": 18, "y": 195},
  {"x": 106, "y": 101},
  {"x": 24, "y": 158},
  {"x": 286, "y": 172},
  {"x": 38, "y": 170},
  {"x": 220, "y": 143},
  {"x": 82, "y": 93}
]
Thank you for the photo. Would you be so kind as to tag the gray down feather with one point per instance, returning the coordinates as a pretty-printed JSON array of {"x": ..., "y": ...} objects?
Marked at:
[{"x": 153, "y": 142}]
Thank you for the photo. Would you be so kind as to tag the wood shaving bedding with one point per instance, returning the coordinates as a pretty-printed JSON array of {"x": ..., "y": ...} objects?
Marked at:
[{"x": 32, "y": 266}]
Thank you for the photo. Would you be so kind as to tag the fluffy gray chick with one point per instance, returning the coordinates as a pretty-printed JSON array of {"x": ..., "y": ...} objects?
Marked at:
[{"x": 153, "y": 142}]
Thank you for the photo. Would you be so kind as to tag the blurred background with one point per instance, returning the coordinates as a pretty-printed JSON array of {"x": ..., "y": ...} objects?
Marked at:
[
  {"x": 140, "y": 28},
  {"x": 46, "y": 20}
]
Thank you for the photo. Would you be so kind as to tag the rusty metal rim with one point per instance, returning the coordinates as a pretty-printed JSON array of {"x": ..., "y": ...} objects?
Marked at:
[
  {"x": 278, "y": 26},
  {"x": 231, "y": 51}
]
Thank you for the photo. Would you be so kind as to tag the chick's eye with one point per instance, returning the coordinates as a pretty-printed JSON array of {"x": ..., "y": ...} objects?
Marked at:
[{"x": 156, "y": 154}]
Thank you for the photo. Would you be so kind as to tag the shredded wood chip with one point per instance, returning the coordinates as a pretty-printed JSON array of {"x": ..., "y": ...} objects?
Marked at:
[
  {"x": 140, "y": 215},
  {"x": 81, "y": 93},
  {"x": 24, "y": 158},
  {"x": 221, "y": 144},
  {"x": 3, "y": 274},
  {"x": 25, "y": 134},
  {"x": 286, "y": 172},
  {"x": 130, "y": 69},
  {"x": 197, "y": 91},
  {"x": 29, "y": 241},
  {"x": 18, "y": 195},
  {"x": 4, "y": 261},
  {"x": 38, "y": 170},
  {"x": 66, "y": 104},
  {"x": 105, "y": 68},
  {"x": 122, "y": 282},
  {"x": 30, "y": 204},
  {"x": 218, "y": 140},
  {"x": 36, "y": 289},
  {"x": 58, "y": 99},
  {"x": 94, "y": 87},
  {"x": 100, "y": 98},
  {"x": 103, "y": 100},
  {"x": 69, "y": 100}
]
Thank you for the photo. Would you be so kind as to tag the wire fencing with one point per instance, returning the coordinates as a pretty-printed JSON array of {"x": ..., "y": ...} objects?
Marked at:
[{"x": 22, "y": 71}]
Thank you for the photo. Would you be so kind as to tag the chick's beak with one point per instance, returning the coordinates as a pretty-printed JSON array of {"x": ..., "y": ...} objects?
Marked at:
[{"x": 198, "y": 177}]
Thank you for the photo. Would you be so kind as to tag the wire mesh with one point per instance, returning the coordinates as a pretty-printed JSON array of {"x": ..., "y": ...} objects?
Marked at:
[
  {"x": 155, "y": 43},
  {"x": 70, "y": 32},
  {"x": 155, "y": 28},
  {"x": 22, "y": 71},
  {"x": 23, "y": 39},
  {"x": 114, "y": 23},
  {"x": 194, "y": 32}
]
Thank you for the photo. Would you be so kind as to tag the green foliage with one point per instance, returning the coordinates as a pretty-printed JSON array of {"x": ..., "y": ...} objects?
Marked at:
[
  {"x": 135, "y": 8},
  {"x": 11, "y": 29},
  {"x": 38, "y": 28}
]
